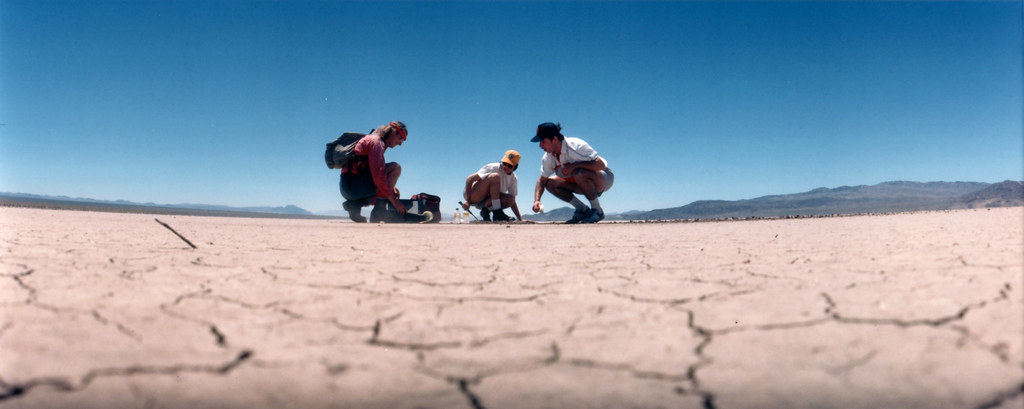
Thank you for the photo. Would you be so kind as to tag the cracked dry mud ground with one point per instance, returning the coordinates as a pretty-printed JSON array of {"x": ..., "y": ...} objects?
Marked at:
[{"x": 105, "y": 310}]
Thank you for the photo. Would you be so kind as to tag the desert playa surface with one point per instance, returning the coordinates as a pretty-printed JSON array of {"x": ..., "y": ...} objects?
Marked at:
[{"x": 110, "y": 310}]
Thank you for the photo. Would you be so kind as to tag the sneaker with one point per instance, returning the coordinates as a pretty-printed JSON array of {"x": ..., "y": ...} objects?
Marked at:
[
  {"x": 485, "y": 214},
  {"x": 593, "y": 216},
  {"x": 578, "y": 216},
  {"x": 500, "y": 216},
  {"x": 354, "y": 207}
]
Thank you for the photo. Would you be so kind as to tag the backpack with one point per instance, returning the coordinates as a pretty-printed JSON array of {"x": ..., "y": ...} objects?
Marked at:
[{"x": 341, "y": 151}]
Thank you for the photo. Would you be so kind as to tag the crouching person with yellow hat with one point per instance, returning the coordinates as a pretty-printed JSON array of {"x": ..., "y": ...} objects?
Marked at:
[{"x": 494, "y": 187}]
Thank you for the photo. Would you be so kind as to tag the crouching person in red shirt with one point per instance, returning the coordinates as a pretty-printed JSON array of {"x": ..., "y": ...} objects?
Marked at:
[{"x": 369, "y": 179}]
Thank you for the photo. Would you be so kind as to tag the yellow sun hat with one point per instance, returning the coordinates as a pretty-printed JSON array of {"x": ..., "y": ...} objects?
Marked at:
[{"x": 511, "y": 158}]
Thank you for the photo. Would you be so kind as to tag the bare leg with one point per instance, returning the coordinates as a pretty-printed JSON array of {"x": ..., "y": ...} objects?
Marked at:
[
  {"x": 561, "y": 188},
  {"x": 494, "y": 193},
  {"x": 394, "y": 171},
  {"x": 589, "y": 183},
  {"x": 507, "y": 200},
  {"x": 485, "y": 189}
]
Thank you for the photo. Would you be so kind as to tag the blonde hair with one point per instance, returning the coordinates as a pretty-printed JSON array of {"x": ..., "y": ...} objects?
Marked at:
[{"x": 386, "y": 130}]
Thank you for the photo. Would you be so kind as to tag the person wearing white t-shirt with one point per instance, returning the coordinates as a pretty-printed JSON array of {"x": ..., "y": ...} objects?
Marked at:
[
  {"x": 494, "y": 187},
  {"x": 571, "y": 167}
]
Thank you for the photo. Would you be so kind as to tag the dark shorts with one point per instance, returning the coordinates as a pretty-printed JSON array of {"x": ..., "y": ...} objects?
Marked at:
[{"x": 356, "y": 186}]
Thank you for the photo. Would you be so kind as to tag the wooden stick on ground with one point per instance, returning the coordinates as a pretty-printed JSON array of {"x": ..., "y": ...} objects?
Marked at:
[{"x": 176, "y": 233}]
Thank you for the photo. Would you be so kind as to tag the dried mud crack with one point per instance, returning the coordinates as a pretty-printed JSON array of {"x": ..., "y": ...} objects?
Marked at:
[
  {"x": 8, "y": 391},
  {"x": 97, "y": 309}
]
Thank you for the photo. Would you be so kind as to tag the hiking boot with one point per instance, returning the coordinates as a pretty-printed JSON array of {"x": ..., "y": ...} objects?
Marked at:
[
  {"x": 500, "y": 216},
  {"x": 485, "y": 214},
  {"x": 380, "y": 213},
  {"x": 578, "y": 216},
  {"x": 354, "y": 207},
  {"x": 593, "y": 216}
]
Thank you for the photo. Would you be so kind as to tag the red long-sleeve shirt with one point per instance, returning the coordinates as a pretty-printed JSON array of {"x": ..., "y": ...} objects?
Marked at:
[{"x": 370, "y": 153}]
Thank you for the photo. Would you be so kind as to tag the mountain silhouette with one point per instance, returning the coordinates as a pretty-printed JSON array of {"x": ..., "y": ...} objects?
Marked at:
[{"x": 887, "y": 197}]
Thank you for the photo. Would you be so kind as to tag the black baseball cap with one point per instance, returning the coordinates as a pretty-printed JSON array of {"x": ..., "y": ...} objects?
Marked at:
[{"x": 547, "y": 130}]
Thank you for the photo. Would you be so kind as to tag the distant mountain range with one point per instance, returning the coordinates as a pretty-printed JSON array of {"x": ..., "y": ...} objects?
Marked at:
[
  {"x": 65, "y": 202},
  {"x": 881, "y": 198},
  {"x": 888, "y": 197}
]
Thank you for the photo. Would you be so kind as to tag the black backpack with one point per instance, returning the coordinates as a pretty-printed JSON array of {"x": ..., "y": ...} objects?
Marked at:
[{"x": 341, "y": 151}]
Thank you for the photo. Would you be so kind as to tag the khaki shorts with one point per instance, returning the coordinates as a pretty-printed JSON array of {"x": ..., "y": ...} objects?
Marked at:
[{"x": 609, "y": 179}]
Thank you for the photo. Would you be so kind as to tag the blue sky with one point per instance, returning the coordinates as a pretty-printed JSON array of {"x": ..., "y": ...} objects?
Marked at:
[{"x": 231, "y": 102}]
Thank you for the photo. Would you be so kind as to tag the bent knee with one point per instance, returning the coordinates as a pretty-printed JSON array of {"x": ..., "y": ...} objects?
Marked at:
[
  {"x": 553, "y": 184},
  {"x": 557, "y": 182}
]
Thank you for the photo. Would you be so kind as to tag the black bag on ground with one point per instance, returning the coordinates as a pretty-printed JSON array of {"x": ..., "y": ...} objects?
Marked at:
[
  {"x": 416, "y": 208},
  {"x": 429, "y": 202},
  {"x": 341, "y": 151}
]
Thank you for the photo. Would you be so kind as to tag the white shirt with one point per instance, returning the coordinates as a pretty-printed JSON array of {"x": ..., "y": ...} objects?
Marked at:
[
  {"x": 573, "y": 150},
  {"x": 509, "y": 183}
]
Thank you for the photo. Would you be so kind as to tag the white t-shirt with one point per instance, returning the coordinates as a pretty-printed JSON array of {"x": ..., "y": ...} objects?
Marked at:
[
  {"x": 509, "y": 183},
  {"x": 573, "y": 150}
]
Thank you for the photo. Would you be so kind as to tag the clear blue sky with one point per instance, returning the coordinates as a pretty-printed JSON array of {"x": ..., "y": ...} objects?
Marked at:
[{"x": 231, "y": 102}]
